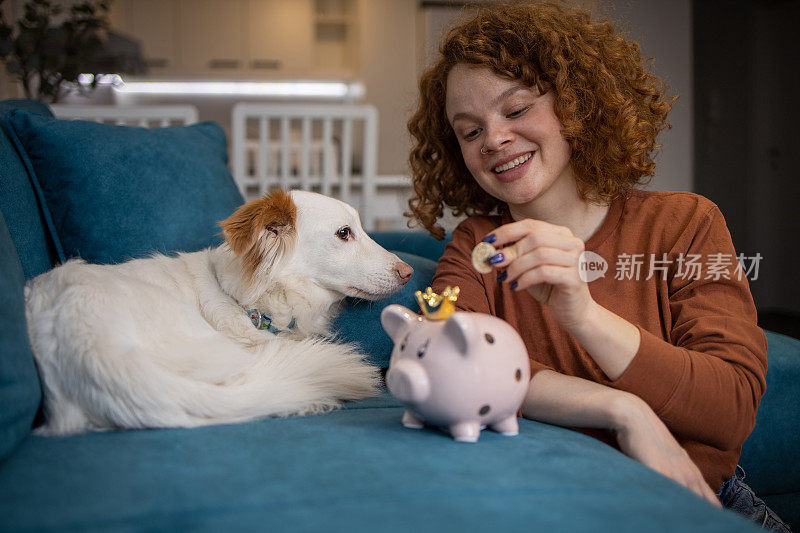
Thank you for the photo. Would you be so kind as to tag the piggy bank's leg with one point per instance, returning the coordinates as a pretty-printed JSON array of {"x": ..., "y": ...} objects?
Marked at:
[
  {"x": 466, "y": 431},
  {"x": 410, "y": 420},
  {"x": 508, "y": 426}
]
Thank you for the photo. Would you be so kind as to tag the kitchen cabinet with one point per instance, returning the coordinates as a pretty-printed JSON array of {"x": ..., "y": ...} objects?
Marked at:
[
  {"x": 211, "y": 40},
  {"x": 154, "y": 24},
  {"x": 280, "y": 37},
  {"x": 243, "y": 39}
]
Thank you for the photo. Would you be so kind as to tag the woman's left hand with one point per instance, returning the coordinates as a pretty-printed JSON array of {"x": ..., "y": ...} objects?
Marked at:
[{"x": 543, "y": 259}]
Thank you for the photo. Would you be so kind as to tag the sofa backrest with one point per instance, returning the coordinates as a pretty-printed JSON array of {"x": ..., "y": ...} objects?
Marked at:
[
  {"x": 20, "y": 391},
  {"x": 27, "y": 249},
  {"x": 19, "y": 202}
]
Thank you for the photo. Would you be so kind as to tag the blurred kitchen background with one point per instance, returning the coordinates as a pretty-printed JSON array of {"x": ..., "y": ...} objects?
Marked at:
[{"x": 733, "y": 63}]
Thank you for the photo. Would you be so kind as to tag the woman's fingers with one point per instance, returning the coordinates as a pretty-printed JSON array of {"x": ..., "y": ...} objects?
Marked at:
[
  {"x": 696, "y": 482},
  {"x": 550, "y": 274},
  {"x": 536, "y": 259},
  {"x": 688, "y": 475},
  {"x": 701, "y": 488},
  {"x": 515, "y": 231},
  {"x": 705, "y": 491},
  {"x": 533, "y": 241}
]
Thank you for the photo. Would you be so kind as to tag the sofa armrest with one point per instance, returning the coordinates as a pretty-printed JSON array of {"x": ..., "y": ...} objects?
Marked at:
[{"x": 770, "y": 454}]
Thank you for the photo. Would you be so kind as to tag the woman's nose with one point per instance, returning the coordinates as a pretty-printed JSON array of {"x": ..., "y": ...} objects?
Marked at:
[{"x": 496, "y": 139}]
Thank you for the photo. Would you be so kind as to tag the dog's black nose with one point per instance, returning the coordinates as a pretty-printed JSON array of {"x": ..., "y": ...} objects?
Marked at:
[{"x": 404, "y": 271}]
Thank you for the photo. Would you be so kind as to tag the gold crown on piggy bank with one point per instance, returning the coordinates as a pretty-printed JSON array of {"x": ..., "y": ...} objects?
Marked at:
[{"x": 437, "y": 306}]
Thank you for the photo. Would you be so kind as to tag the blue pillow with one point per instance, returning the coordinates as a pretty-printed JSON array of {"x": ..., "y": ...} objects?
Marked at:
[
  {"x": 19, "y": 202},
  {"x": 360, "y": 320},
  {"x": 20, "y": 391},
  {"x": 114, "y": 193}
]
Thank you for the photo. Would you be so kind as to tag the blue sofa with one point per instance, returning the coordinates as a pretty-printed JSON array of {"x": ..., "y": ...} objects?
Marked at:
[{"x": 83, "y": 189}]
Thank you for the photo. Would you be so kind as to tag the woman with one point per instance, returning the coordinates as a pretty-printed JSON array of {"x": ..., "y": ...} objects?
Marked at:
[{"x": 538, "y": 123}]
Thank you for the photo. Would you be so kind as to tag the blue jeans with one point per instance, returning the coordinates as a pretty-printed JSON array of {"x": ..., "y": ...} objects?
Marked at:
[{"x": 737, "y": 496}]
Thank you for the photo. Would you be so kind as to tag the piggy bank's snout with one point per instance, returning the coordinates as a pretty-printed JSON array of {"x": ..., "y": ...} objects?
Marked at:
[{"x": 408, "y": 382}]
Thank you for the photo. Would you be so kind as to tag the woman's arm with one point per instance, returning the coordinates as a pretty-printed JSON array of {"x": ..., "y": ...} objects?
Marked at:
[
  {"x": 706, "y": 381},
  {"x": 611, "y": 340},
  {"x": 570, "y": 401}
]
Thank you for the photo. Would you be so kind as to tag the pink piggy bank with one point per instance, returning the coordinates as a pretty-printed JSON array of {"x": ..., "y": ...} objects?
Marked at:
[{"x": 464, "y": 373}]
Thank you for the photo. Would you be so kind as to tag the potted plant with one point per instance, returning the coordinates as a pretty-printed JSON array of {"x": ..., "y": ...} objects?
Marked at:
[{"x": 49, "y": 47}]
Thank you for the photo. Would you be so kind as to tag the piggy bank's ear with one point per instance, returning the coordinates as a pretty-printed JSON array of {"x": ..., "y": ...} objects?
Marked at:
[
  {"x": 395, "y": 319},
  {"x": 460, "y": 329}
]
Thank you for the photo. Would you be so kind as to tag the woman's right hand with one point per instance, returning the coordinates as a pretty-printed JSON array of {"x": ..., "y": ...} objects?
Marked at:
[{"x": 642, "y": 436}]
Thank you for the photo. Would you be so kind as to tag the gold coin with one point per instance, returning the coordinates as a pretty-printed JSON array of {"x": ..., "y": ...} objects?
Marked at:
[{"x": 480, "y": 254}]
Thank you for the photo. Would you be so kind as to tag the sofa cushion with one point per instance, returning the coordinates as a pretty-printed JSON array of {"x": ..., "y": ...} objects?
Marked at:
[
  {"x": 119, "y": 192},
  {"x": 360, "y": 320},
  {"x": 20, "y": 392},
  {"x": 22, "y": 209},
  {"x": 348, "y": 470}
]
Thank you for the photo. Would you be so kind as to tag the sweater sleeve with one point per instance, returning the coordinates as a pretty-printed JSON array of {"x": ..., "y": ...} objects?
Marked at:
[
  {"x": 707, "y": 382},
  {"x": 455, "y": 269}
]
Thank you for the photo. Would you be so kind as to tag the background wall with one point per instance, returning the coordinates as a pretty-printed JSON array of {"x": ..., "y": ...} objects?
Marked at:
[
  {"x": 664, "y": 32},
  {"x": 389, "y": 36},
  {"x": 746, "y": 116}
]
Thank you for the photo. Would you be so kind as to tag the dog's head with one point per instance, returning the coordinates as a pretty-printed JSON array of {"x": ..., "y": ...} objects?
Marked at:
[{"x": 313, "y": 237}]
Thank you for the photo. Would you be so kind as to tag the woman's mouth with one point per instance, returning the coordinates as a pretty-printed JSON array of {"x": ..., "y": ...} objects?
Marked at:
[
  {"x": 514, "y": 169},
  {"x": 512, "y": 164}
]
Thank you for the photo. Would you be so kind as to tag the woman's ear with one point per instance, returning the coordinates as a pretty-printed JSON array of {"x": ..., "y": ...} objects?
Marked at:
[{"x": 262, "y": 230}]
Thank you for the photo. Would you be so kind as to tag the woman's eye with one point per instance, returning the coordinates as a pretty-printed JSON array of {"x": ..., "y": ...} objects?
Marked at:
[
  {"x": 472, "y": 134},
  {"x": 344, "y": 233},
  {"x": 518, "y": 112}
]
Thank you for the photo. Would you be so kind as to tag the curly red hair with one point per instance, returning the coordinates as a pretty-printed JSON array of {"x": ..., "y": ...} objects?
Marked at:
[{"x": 610, "y": 106}]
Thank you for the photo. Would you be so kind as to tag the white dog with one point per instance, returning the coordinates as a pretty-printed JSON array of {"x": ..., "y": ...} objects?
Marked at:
[{"x": 222, "y": 335}]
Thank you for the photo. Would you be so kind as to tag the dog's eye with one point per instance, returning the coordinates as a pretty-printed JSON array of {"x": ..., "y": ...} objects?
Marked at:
[{"x": 344, "y": 233}]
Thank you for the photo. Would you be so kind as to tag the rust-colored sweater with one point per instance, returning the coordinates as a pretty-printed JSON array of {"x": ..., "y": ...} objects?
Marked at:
[{"x": 701, "y": 364}]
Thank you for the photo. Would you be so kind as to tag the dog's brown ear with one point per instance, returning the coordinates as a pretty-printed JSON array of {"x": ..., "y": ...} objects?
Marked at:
[{"x": 273, "y": 218}]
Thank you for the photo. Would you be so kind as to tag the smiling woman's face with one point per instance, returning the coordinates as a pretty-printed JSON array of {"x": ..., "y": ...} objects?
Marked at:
[{"x": 524, "y": 154}]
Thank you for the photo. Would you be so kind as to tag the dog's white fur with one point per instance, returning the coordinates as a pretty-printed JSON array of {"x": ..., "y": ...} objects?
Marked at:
[{"x": 167, "y": 341}]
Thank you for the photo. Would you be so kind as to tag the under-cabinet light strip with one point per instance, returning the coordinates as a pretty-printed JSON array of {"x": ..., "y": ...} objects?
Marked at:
[{"x": 317, "y": 89}]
